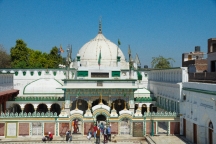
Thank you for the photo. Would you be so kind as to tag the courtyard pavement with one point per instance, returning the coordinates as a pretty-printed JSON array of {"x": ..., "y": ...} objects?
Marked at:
[{"x": 162, "y": 139}]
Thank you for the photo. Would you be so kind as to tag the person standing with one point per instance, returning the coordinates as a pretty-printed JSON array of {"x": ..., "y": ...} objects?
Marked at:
[
  {"x": 109, "y": 133},
  {"x": 95, "y": 130},
  {"x": 98, "y": 136},
  {"x": 105, "y": 132}
]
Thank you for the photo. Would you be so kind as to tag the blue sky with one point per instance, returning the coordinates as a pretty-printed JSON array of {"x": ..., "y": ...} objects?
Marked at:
[{"x": 151, "y": 27}]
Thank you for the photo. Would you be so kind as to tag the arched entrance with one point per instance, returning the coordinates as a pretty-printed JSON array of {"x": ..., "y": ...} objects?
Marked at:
[
  {"x": 151, "y": 107},
  {"x": 15, "y": 108},
  {"x": 42, "y": 108},
  {"x": 29, "y": 108},
  {"x": 144, "y": 108},
  {"x": 101, "y": 120},
  {"x": 55, "y": 108},
  {"x": 210, "y": 132},
  {"x": 136, "y": 107},
  {"x": 81, "y": 105},
  {"x": 77, "y": 126},
  {"x": 119, "y": 105}
]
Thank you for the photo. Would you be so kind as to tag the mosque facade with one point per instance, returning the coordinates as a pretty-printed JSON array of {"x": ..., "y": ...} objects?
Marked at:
[{"x": 99, "y": 86}]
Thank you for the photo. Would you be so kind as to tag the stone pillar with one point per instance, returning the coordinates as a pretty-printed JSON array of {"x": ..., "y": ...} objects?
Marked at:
[
  {"x": 49, "y": 107},
  {"x": 57, "y": 126},
  {"x": 152, "y": 127},
  {"x": 22, "y": 106},
  {"x": 35, "y": 107},
  {"x": 156, "y": 127},
  {"x": 168, "y": 128},
  {"x": 144, "y": 126}
]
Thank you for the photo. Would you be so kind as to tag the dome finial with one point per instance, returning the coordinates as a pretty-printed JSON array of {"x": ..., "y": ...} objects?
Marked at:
[{"x": 100, "y": 26}]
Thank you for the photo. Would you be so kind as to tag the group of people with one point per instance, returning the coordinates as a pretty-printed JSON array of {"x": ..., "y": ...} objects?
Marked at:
[
  {"x": 99, "y": 131},
  {"x": 48, "y": 137}
]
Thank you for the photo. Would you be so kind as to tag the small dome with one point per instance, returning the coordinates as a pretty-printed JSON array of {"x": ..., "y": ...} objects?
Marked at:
[
  {"x": 43, "y": 86},
  {"x": 90, "y": 51}
]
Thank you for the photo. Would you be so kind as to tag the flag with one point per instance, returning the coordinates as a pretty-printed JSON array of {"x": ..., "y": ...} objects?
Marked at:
[
  {"x": 99, "y": 58},
  {"x": 137, "y": 60},
  {"x": 61, "y": 49},
  {"x": 119, "y": 43}
]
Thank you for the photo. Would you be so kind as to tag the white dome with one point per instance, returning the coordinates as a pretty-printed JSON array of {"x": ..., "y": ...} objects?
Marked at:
[{"x": 90, "y": 51}]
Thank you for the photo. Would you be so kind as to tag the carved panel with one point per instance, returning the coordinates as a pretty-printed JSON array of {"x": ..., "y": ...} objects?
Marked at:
[
  {"x": 2, "y": 129},
  {"x": 114, "y": 127},
  {"x": 63, "y": 128},
  {"x": 23, "y": 129},
  {"x": 87, "y": 126},
  {"x": 138, "y": 129},
  {"x": 49, "y": 127}
]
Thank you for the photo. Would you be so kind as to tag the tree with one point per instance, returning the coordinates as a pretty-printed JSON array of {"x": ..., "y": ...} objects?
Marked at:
[
  {"x": 54, "y": 58},
  {"x": 5, "y": 61},
  {"x": 19, "y": 55},
  {"x": 161, "y": 62}
]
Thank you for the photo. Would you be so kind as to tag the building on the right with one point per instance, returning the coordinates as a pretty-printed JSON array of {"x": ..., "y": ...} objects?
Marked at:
[
  {"x": 211, "y": 55},
  {"x": 194, "y": 61}
]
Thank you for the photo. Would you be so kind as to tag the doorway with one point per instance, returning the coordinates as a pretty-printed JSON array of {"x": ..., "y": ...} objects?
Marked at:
[{"x": 101, "y": 119}]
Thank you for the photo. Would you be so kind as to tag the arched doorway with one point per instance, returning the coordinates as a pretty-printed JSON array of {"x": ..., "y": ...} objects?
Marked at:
[
  {"x": 55, "y": 108},
  {"x": 77, "y": 126},
  {"x": 210, "y": 131},
  {"x": 144, "y": 108},
  {"x": 29, "y": 108},
  {"x": 81, "y": 105},
  {"x": 136, "y": 107},
  {"x": 151, "y": 107},
  {"x": 101, "y": 119},
  {"x": 42, "y": 108},
  {"x": 15, "y": 108},
  {"x": 119, "y": 105}
]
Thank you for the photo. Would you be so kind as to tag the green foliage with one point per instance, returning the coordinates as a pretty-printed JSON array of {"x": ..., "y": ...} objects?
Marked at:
[
  {"x": 161, "y": 62},
  {"x": 24, "y": 57},
  {"x": 5, "y": 61}
]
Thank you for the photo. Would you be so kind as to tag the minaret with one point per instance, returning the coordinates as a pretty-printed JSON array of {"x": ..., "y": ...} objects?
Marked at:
[{"x": 100, "y": 27}]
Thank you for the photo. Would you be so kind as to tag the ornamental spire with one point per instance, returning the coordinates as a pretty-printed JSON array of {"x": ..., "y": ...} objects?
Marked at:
[{"x": 100, "y": 26}]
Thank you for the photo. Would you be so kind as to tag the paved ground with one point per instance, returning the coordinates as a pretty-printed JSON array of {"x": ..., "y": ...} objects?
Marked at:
[
  {"x": 167, "y": 140},
  {"x": 162, "y": 139}
]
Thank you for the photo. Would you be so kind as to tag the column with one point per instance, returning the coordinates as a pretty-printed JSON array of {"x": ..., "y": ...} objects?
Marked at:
[
  {"x": 57, "y": 131},
  {"x": 152, "y": 127},
  {"x": 48, "y": 107},
  {"x": 144, "y": 126},
  {"x": 168, "y": 128},
  {"x": 156, "y": 127}
]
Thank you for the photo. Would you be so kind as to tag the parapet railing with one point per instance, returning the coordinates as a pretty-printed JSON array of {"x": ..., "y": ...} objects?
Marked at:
[
  {"x": 38, "y": 114},
  {"x": 161, "y": 114}
]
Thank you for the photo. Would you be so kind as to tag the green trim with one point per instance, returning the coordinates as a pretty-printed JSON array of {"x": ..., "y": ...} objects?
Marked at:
[
  {"x": 23, "y": 98},
  {"x": 200, "y": 91},
  {"x": 39, "y": 73},
  {"x": 115, "y": 73},
  {"x": 78, "y": 58},
  {"x": 24, "y": 73},
  {"x": 118, "y": 58},
  {"x": 82, "y": 73},
  {"x": 16, "y": 73},
  {"x": 99, "y": 79},
  {"x": 54, "y": 73},
  {"x": 32, "y": 73}
]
